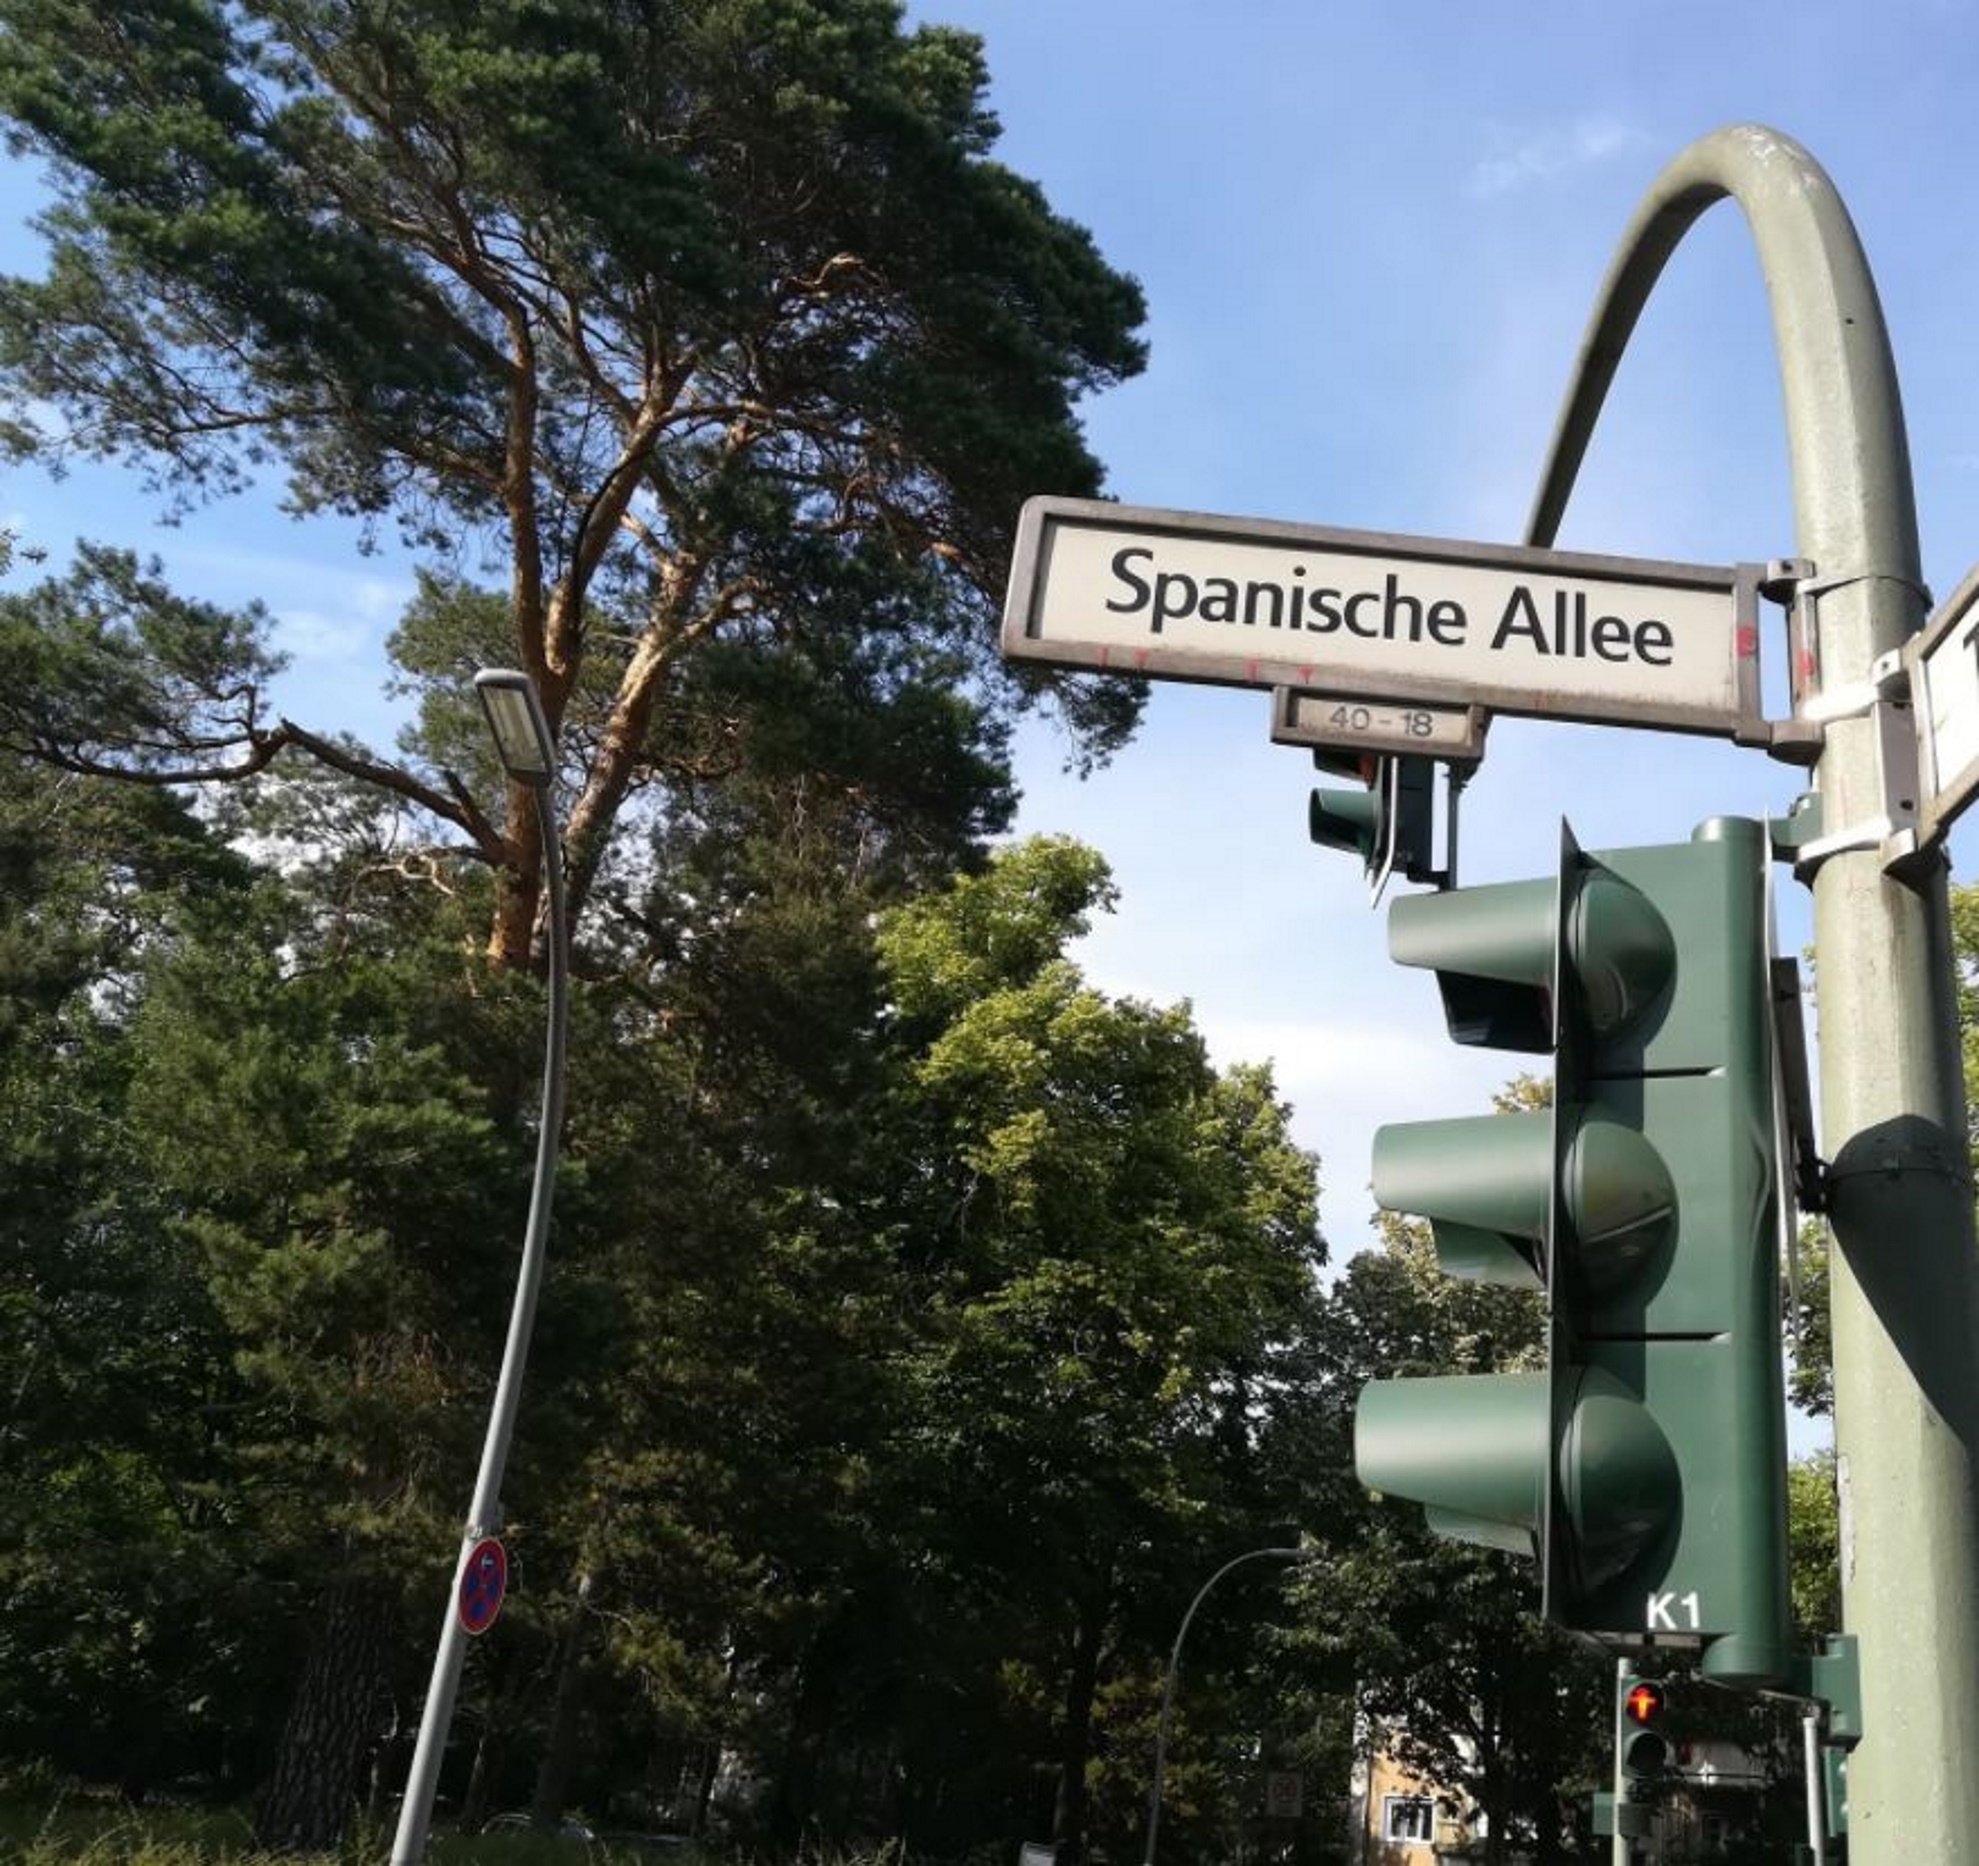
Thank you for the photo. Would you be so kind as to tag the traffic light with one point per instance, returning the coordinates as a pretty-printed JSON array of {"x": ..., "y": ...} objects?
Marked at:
[
  {"x": 1646, "y": 1466},
  {"x": 1641, "y": 1747},
  {"x": 1388, "y": 822}
]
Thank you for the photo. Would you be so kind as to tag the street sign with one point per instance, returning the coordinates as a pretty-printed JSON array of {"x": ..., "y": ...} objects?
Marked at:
[
  {"x": 1241, "y": 602},
  {"x": 1400, "y": 728},
  {"x": 483, "y": 1585},
  {"x": 1284, "y": 1794},
  {"x": 1944, "y": 692}
]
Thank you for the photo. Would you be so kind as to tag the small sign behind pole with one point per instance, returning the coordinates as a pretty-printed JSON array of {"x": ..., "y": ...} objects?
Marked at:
[
  {"x": 483, "y": 1585},
  {"x": 1944, "y": 689}
]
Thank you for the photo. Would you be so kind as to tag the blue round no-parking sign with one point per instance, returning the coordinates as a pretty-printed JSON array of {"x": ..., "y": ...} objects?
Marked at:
[{"x": 483, "y": 1585}]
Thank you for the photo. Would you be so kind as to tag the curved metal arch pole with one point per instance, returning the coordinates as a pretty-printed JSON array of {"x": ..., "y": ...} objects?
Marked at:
[{"x": 1905, "y": 1279}]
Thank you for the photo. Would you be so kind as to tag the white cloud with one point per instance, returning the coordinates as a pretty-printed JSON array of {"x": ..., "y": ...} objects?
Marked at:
[
  {"x": 324, "y": 611},
  {"x": 1346, "y": 1078},
  {"x": 1523, "y": 158},
  {"x": 323, "y": 635}
]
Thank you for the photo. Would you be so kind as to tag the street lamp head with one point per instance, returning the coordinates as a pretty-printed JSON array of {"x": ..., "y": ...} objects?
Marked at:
[{"x": 515, "y": 719}]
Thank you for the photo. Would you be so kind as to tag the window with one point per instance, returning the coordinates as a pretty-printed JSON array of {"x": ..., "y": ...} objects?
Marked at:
[{"x": 1408, "y": 1817}]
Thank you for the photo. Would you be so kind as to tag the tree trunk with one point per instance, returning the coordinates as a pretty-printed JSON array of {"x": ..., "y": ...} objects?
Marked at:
[
  {"x": 560, "y": 1741},
  {"x": 1496, "y": 1805},
  {"x": 797, "y": 1788},
  {"x": 707, "y": 1775},
  {"x": 474, "y": 1802},
  {"x": 336, "y": 1715},
  {"x": 1068, "y": 1816},
  {"x": 511, "y": 939}
]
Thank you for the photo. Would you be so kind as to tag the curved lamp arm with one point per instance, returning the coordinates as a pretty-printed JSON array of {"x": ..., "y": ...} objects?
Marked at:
[{"x": 1175, "y": 1666}]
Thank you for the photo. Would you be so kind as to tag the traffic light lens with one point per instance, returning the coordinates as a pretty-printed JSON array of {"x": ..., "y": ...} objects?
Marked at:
[
  {"x": 1645, "y": 1755},
  {"x": 1644, "y": 1703}
]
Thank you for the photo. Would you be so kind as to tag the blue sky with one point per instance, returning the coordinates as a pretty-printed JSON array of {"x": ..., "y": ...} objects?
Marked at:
[{"x": 1370, "y": 236}]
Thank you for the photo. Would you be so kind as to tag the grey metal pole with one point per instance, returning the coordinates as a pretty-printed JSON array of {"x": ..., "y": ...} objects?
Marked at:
[
  {"x": 1620, "y": 1853},
  {"x": 1905, "y": 1280},
  {"x": 484, "y": 1514},
  {"x": 1175, "y": 1666},
  {"x": 1810, "y": 1756}
]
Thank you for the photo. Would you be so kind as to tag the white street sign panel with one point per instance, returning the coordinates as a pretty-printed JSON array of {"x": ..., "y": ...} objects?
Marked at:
[
  {"x": 1378, "y": 727},
  {"x": 1255, "y": 603},
  {"x": 1944, "y": 692}
]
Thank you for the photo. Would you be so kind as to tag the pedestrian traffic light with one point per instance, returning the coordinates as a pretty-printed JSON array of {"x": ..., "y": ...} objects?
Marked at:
[
  {"x": 1641, "y": 1746},
  {"x": 1645, "y": 1467},
  {"x": 1389, "y": 822}
]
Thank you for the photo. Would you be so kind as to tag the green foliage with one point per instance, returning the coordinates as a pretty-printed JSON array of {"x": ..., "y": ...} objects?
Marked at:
[
  {"x": 1965, "y": 952},
  {"x": 709, "y": 321},
  {"x": 113, "y": 672},
  {"x": 54, "y": 1828},
  {"x": 1814, "y": 1547},
  {"x": 117, "y": 1519},
  {"x": 1811, "y": 1362},
  {"x": 1440, "y": 1644}
]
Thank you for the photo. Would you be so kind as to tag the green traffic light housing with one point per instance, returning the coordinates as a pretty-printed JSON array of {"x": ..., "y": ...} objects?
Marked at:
[
  {"x": 1388, "y": 822},
  {"x": 1646, "y": 1467},
  {"x": 1345, "y": 819}
]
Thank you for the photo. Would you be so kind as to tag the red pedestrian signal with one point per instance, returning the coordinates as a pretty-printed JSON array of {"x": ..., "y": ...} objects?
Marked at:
[{"x": 1643, "y": 1749}]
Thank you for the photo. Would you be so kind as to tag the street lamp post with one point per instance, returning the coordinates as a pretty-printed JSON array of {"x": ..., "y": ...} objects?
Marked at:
[
  {"x": 528, "y": 754},
  {"x": 1175, "y": 1665}
]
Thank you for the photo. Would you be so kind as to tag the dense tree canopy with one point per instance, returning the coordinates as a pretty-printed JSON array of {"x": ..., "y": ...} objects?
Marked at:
[
  {"x": 687, "y": 320},
  {"x": 979, "y": 1277}
]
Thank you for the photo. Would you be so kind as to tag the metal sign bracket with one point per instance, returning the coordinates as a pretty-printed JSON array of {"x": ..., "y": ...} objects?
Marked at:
[
  {"x": 1796, "y": 740},
  {"x": 1884, "y": 699}
]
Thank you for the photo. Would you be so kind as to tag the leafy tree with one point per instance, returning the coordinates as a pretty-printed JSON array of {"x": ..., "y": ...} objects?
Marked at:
[
  {"x": 123, "y": 1648},
  {"x": 337, "y": 1156},
  {"x": 715, "y": 330},
  {"x": 1814, "y": 1547},
  {"x": 697, "y": 320},
  {"x": 1439, "y": 1646},
  {"x": 1114, "y": 1245}
]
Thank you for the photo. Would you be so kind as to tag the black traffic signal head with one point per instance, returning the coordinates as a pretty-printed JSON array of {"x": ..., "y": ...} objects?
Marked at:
[{"x": 1645, "y": 1750}]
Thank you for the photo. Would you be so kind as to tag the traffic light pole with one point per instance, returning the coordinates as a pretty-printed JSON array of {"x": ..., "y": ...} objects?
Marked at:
[
  {"x": 1905, "y": 1281},
  {"x": 1623, "y": 1854}
]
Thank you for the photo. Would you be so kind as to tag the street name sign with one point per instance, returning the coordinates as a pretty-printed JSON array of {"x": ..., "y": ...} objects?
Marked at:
[
  {"x": 1944, "y": 697},
  {"x": 1242, "y": 602}
]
